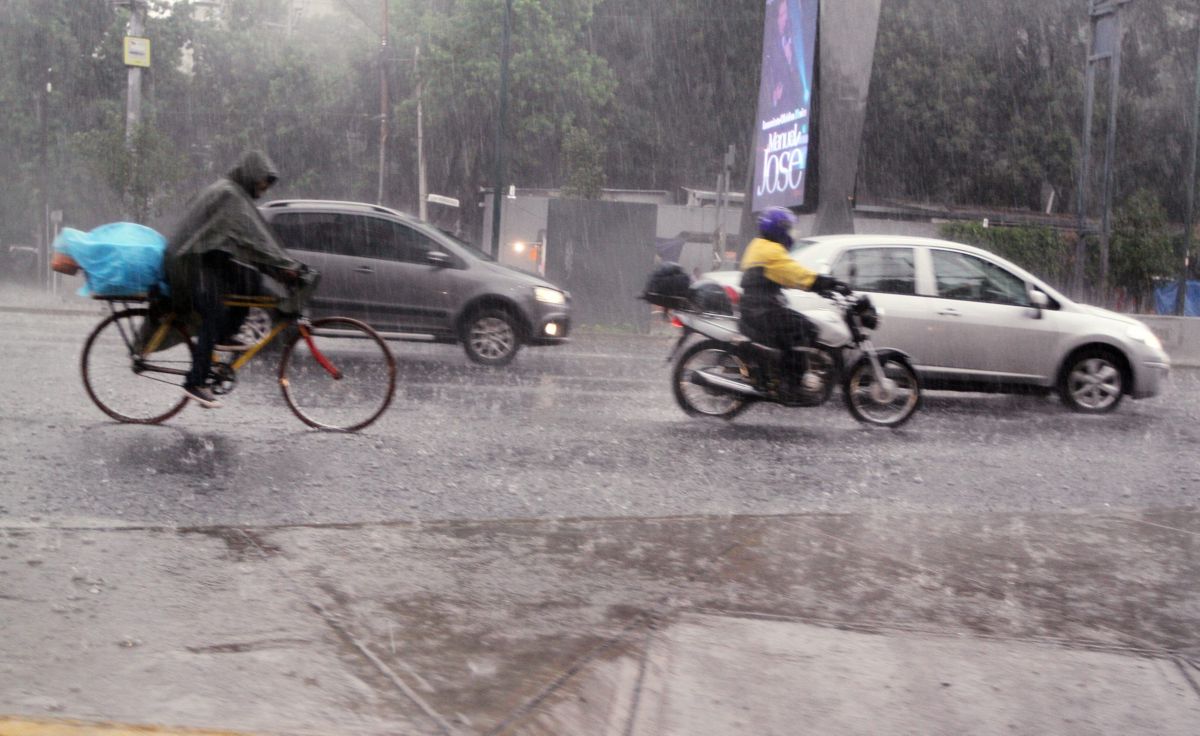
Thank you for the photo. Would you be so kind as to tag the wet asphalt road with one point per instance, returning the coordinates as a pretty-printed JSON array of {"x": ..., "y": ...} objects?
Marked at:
[
  {"x": 233, "y": 569},
  {"x": 583, "y": 430}
]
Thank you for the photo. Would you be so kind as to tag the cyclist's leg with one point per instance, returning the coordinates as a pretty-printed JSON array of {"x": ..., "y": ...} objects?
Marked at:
[
  {"x": 243, "y": 281},
  {"x": 207, "y": 301}
]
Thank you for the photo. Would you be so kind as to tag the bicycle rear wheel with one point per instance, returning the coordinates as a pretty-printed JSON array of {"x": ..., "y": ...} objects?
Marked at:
[
  {"x": 340, "y": 377},
  {"x": 127, "y": 386}
]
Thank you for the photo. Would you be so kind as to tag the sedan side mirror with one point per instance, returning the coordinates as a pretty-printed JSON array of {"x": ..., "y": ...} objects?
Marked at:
[
  {"x": 1040, "y": 301},
  {"x": 439, "y": 259}
]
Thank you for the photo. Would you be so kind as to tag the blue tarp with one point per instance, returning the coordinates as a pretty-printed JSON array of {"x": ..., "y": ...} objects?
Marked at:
[
  {"x": 118, "y": 258},
  {"x": 1164, "y": 298}
]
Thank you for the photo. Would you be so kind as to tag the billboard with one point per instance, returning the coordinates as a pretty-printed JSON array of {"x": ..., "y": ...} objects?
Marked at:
[{"x": 784, "y": 104}]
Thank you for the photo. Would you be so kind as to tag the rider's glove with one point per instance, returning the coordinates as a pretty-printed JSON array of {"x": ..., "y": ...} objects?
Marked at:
[{"x": 826, "y": 284}]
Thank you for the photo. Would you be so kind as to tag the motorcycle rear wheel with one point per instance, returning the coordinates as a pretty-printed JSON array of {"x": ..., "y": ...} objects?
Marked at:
[
  {"x": 899, "y": 406},
  {"x": 703, "y": 401}
]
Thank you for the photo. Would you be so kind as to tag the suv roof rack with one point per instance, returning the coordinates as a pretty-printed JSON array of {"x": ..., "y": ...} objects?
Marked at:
[{"x": 333, "y": 203}]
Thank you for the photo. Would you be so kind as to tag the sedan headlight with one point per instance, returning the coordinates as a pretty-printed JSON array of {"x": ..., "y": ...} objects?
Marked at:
[
  {"x": 549, "y": 296},
  {"x": 1144, "y": 336}
]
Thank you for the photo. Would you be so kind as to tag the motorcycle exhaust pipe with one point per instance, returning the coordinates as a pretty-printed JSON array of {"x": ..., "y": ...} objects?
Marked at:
[{"x": 725, "y": 384}]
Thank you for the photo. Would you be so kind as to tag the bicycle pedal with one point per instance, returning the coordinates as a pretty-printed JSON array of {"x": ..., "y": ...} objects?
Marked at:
[{"x": 233, "y": 348}]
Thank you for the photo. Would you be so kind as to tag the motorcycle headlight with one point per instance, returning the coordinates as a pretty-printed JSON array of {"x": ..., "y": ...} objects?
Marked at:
[
  {"x": 1144, "y": 336},
  {"x": 549, "y": 296}
]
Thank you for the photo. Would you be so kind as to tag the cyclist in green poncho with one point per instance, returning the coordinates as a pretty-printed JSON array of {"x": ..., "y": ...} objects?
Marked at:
[{"x": 222, "y": 246}]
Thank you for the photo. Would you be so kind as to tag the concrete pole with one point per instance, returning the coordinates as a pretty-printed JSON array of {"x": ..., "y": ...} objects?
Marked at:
[
  {"x": 133, "y": 97},
  {"x": 422, "y": 186},
  {"x": 1181, "y": 292},
  {"x": 1089, "y": 102},
  {"x": 498, "y": 188},
  {"x": 383, "y": 103},
  {"x": 1110, "y": 149}
]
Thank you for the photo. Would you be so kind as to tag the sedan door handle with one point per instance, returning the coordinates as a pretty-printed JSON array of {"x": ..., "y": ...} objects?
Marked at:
[
  {"x": 363, "y": 269},
  {"x": 948, "y": 312}
]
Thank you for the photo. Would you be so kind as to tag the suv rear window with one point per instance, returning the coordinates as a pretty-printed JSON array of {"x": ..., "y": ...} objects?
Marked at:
[{"x": 318, "y": 232}]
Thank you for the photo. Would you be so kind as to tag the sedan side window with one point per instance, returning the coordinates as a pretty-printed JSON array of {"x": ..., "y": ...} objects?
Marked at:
[
  {"x": 970, "y": 278},
  {"x": 885, "y": 270}
]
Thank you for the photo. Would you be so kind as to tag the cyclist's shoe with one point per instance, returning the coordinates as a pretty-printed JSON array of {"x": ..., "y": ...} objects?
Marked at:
[{"x": 203, "y": 396}]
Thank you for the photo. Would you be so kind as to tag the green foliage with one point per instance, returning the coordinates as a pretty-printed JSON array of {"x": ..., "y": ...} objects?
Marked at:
[
  {"x": 982, "y": 103},
  {"x": 688, "y": 72},
  {"x": 140, "y": 170},
  {"x": 582, "y": 158},
  {"x": 555, "y": 83},
  {"x": 1141, "y": 248},
  {"x": 959, "y": 112}
]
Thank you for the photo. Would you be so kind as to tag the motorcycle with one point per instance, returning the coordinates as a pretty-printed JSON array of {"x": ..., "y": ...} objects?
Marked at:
[{"x": 724, "y": 372}]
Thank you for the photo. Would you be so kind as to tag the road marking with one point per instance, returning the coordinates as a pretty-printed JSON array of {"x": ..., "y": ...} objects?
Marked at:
[{"x": 23, "y": 727}]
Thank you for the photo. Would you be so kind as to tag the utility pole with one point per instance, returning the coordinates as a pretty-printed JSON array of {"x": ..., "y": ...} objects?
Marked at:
[
  {"x": 135, "y": 34},
  {"x": 1181, "y": 290},
  {"x": 1110, "y": 146},
  {"x": 722, "y": 204},
  {"x": 383, "y": 102},
  {"x": 1107, "y": 31},
  {"x": 498, "y": 189},
  {"x": 422, "y": 186},
  {"x": 45, "y": 277}
]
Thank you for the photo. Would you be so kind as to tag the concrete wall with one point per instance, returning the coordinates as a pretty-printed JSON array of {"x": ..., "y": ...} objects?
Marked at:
[{"x": 1180, "y": 337}]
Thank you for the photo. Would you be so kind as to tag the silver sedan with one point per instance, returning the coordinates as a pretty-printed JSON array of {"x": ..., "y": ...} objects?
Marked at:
[{"x": 973, "y": 321}]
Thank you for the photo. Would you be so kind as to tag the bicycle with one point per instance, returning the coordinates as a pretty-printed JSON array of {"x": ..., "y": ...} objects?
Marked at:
[{"x": 336, "y": 373}]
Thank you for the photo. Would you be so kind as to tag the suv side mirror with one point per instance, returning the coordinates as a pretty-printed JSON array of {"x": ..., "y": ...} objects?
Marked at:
[
  {"x": 439, "y": 259},
  {"x": 1040, "y": 301}
]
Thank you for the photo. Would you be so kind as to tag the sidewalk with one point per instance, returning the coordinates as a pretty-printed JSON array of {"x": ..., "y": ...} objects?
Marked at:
[{"x": 846, "y": 624}]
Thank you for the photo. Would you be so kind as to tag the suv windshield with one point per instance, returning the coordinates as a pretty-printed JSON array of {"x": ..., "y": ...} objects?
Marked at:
[{"x": 471, "y": 249}]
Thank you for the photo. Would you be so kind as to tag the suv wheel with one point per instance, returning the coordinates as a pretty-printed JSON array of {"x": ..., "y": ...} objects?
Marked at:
[{"x": 491, "y": 337}]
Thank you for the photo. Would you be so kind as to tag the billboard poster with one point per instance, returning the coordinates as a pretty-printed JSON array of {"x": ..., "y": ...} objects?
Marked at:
[{"x": 784, "y": 103}]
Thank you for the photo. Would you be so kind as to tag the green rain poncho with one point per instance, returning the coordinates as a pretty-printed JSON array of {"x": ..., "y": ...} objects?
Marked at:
[{"x": 223, "y": 217}]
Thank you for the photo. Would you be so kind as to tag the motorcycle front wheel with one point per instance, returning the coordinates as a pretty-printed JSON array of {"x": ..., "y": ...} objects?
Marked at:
[
  {"x": 699, "y": 400},
  {"x": 887, "y": 405}
]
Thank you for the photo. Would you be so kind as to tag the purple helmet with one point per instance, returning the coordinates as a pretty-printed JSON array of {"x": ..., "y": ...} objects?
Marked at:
[{"x": 775, "y": 224}]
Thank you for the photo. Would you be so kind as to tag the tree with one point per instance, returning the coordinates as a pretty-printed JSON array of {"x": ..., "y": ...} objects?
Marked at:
[
  {"x": 1141, "y": 248},
  {"x": 688, "y": 72},
  {"x": 582, "y": 159}
]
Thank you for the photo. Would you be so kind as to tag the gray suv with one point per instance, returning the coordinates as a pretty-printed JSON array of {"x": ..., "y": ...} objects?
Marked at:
[{"x": 409, "y": 280}]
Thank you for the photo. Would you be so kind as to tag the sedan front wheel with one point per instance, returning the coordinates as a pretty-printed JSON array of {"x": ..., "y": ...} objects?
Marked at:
[{"x": 1093, "y": 382}]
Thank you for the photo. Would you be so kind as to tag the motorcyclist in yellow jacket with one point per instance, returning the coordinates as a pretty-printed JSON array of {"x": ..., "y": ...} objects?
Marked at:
[{"x": 768, "y": 269}]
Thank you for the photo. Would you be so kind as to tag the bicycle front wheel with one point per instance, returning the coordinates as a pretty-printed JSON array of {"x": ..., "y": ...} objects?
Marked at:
[
  {"x": 338, "y": 377},
  {"x": 126, "y": 385}
]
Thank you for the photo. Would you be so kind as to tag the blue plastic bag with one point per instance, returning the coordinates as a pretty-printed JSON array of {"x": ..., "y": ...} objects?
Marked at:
[{"x": 121, "y": 258}]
